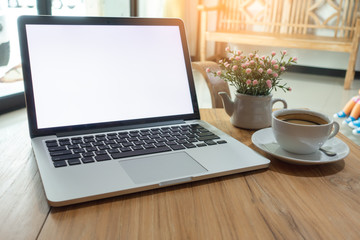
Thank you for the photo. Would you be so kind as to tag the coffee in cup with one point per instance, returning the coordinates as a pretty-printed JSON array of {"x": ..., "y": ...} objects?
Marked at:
[
  {"x": 302, "y": 119},
  {"x": 302, "y": 131}
]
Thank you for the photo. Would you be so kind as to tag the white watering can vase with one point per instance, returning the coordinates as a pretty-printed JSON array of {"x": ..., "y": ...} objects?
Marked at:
[{"x": 250, "y": 112}]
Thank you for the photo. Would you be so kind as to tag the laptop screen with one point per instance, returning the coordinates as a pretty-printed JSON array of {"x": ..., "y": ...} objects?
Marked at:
[{"x": 85, "y": 74}]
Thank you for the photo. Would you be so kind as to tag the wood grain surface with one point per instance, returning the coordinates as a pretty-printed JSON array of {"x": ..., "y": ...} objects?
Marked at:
[{"x": 283, "y": 202}]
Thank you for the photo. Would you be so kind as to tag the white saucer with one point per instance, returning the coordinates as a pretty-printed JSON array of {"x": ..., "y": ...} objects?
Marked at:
[{"x": 265, "y": 140}]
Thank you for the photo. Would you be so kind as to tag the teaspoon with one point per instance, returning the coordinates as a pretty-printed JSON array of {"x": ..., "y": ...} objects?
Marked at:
[{"x": 327, "y": 152}]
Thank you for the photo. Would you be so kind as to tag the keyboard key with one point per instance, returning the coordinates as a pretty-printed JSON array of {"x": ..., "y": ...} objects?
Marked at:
[
  {"x": 102, "y": 158},
  {"x": 66, "y": 157},
  {"x": 104, "y": 147},
  {"x": 74, "y": 162},
  {"x": 140, "y": 152},
  {"x": 87, "y": 160},
  {"x": 91, "y": 149},
  {"x": 112, "y": 137},
  {"x": 189, "y": 145},
  {"x": 88, "y": 140},
  {"x": 125, "y": 149},
  {"x": 177, "y": 147},
  {"x": 100, "y": 138},
  {"x": 113, "y": 151},
  {"x": 64, "y": 143},
  {"x": 60, "y": 148},
  {"x": 171, "y": 138},
  {"x": 210, "y": 142},
  {"x": 121, "y": 140},
  {"x": 107, "y": 142},
  {"x": 201, "y": 145},
  {"x": 51, "y": 143},
  {"x": 128, "y": 144},
  {"x": 73, "y": 146},
  {"x": 132, "y": 139},
  {"x": 138, "y": 142},
  {"x": 59, "y": 153},
  {"x": 149, "y": 141},
  {"x": 116, "y": 145},
  {"x": 203, "y": 134},
  {"x": 182, "y": 141},
  {"x": 171, "y": 143},
  {"x": 147, "y": 146},
  {"x": 137, "y": 148},
  {"x": 88, "y": 154},
  {"x": 88, "y": 137},
  {"x": 221, "y": 142},
  {"x": 64, "y": 140},
  {"x": 160, "y": 144},
  {"x": 60, "y": 164},
  {"x": 98, "y": 144},
  {"x": 206, "y": 138},
  {"x": 102, "y": 152}
]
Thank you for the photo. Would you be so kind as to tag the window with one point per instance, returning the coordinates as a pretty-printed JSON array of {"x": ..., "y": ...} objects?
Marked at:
[{"x": 11, "y": 82}]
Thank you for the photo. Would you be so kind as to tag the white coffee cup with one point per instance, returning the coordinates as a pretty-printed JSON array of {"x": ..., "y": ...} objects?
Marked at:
[{"x": 302, "y": 131}]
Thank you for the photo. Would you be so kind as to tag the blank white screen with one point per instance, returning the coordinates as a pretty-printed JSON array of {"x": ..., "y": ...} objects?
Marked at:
[{"x": 91, "y": 74}]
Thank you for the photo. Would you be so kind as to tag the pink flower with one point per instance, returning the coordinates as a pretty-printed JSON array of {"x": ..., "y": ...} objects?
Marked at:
[
  {"x": 251, "y": 55},
  {"x": 235, "y": 67},
  {"x": 248, "y": 70},
  {"x": 268, "y": 83},
  {"x": 284, "y": 52},
  {"x": 282, "y": 69},
  {"x": 276, "y": 66},
  {"x": 289, "y": 89},
  {"x": 260, "y": 70},
  {"x": 237, "y": 58},
  {"x": 255, "y": 82},
  {"x": 273, "y": 62},
  {"x": 263, "y": 57},
  {"x": 243, "y": 65},
  {"x": 218, "y": 73},
  {"x": 247, "y": 63},
  {"x": 295, "y": 59},
  {"x": 248, "y": 82},
  {"x": 269, "y": 71},
  {"x": 275, "y": 74},
  {"x": 273, "y": 53},
  {"x": 239, "y": 52},
  {"x": 252, "y": 62},
  {"x": 207, "y": 70},
  {"x": 262, "y": 63},
  {"x": 227, "y": 49}
]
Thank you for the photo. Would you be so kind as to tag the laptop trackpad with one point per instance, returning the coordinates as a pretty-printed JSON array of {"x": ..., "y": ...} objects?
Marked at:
[{"x": 162, "y": 167}]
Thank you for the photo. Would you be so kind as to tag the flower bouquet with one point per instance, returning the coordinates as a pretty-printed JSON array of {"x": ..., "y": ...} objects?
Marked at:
[{"x": 253, "y": 74}]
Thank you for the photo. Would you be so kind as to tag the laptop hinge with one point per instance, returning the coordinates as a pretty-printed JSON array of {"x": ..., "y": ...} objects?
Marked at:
[{"x": 111, "y": 129}]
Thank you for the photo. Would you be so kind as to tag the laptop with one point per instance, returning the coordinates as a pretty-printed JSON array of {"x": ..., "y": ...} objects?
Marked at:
[{"x": 112, "y": 109}]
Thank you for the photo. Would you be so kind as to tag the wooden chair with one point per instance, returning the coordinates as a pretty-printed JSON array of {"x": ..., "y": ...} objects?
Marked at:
[
  {"x": 215, "y": 84},
  {"x": 286, "y": 23}
]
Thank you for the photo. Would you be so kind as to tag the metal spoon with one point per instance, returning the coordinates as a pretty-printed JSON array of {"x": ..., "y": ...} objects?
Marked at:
[{"x": 327, "y": 152}]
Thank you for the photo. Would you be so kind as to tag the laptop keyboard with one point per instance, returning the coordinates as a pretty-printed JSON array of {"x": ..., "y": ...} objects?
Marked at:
[{"x": 116, "y": 145}]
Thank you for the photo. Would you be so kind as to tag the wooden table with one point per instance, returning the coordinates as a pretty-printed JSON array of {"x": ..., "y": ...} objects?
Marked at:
[{"x": 283, "y": 202}]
